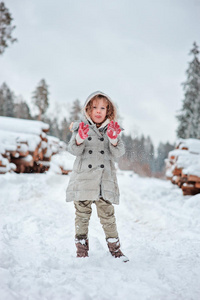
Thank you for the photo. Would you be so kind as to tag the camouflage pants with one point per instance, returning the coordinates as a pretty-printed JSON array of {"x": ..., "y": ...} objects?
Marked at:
[{"x": 105, "y": 211}]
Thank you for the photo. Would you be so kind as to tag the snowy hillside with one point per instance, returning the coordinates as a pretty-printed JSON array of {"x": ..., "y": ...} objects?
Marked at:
[{"x": 159, "y": 232}]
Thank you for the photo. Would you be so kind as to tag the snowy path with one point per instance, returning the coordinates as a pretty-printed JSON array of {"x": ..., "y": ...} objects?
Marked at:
[{"x": 159, "y": 232}]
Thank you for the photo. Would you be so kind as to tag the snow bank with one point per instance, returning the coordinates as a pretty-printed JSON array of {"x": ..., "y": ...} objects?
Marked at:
[
  {"x": 26, "y": 138},
  {"x": 10, "y": 140},
  {"x": 183, "y": 165},
  {"x": 22, "y": 125},
  {"x": 158, "y": 229},
  {"x": 192, "y": 145},
  {"x": 63, "y": 160}
]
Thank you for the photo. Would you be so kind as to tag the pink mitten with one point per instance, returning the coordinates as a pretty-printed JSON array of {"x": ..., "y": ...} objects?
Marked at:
[
  {"x": 113, "y": 131},
  {"x": 82, "y": 133}
]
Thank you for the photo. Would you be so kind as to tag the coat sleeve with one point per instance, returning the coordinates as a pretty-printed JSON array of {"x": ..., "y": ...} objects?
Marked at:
[
  {"x": 118, "y": 150},
  {"x": 72, "y": 147}
]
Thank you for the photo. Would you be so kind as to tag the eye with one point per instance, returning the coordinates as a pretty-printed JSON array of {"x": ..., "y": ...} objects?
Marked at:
[
  {"x": 102, "y": 107},
  {"x": 94, "y": 107}
]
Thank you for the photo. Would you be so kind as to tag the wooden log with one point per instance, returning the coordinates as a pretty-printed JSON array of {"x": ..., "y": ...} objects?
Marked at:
[
  {"x": 197, "y": 185},
  {"x": 182, "y": 181},
  {"x": 47, "y": 158},
  {"x": 20, "y": 168},
  {"x": 3, "y": 171},
  {"x": 193, "y": 178},
  {"x": 37, "y": 166},
  {"x": 45, "y": 130},
  {"x": 177, "y": 171},
  {"x": 44, "y": 150},
  {"x": 14, "y": 153},
  {"x": 189, "y": 189},
  {"x": 40, "y": 154},
  {"x": 2, "y": 165},
  {"x": 23, "y": 154},
  {"x": 34, "y": 154},
  {"x": 177, "y": 179},
  {"x": 44, "y": 166},
  {"x": 21, "y": 161},
  {"x": 44, "y": 138},
  {"x": 190, "y": 192},
  {"x": 65, "y": 172},
  {"x": 44, "y": 169},
  {"x": 173, "y": 180},
  {"x": 183, "y": 175},
  {"x": 172, "y": 157}
]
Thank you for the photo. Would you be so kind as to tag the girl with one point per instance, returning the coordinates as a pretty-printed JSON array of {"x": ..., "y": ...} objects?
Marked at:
[{"x": 96, "y": 143}]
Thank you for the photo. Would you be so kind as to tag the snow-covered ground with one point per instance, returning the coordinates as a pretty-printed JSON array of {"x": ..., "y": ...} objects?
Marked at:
[{"x": 159, "y": 231}]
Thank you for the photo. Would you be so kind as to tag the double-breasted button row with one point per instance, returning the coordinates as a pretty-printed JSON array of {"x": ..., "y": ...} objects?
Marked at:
[
  {"x": 90, "y": 138},
  {"x": 90, "y": 152},
  {"x": 90, "y": 166}
]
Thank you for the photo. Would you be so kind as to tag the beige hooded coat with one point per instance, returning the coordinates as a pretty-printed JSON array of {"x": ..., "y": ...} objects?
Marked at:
[{"x": 94, "y": 173}]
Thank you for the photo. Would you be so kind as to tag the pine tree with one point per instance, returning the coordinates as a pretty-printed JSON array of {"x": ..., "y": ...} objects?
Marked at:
[
  {"x": 1, "y": 102},
  {"x": 162, "y": 153},
  {"x": 76, "y": 111},
  {"x": 21, "y": 109},
  {"x": 189, "y": 117},
  {"x": 149, "y": 152},
  {"x": 5, "y": 28},
  {"x": 40, "y": 98},
  {"x": 65, "y": 131},
  {"x": 54, "y": 129},
  {"x": 6, "y": 101}
]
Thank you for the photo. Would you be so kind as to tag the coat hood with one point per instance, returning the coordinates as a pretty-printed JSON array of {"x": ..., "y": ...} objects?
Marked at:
[{"x": 93, "y": 95}]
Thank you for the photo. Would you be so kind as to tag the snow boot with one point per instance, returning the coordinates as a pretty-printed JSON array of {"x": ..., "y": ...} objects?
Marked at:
[
  {"x": 114, "y": 248},
  {"x": 82, "y": 247}
]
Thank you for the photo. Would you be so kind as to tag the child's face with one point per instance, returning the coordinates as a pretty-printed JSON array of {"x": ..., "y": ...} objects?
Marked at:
[{"x": 99, "y": 110}]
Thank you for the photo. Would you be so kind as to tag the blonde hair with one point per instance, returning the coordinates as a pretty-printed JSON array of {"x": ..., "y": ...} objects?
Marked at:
[{"x": 110, "y": 109}]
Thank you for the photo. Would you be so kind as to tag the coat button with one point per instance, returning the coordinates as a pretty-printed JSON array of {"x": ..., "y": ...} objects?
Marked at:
[
  {"x": 102, "y": 166},
  {"x": 102, "y": 152},
  {"x": 89, "y": 138},
  {"x": 90, "y": 166},
  {"x": 90, "y": 151},
  {"x": 102, "y": 139}
]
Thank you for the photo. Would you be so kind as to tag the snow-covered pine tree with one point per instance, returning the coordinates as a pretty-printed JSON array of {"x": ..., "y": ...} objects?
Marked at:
[
  {"x": 65, "y": 131},
  {"x": 21, "y": 109},
  {"x": 1, "y": 102},
  {"x": 5, "y": 28},
  {"x": 6, "y": 101},
  {"x": 54, "y": 128},
  {"x": 76, "y": 110},
  {"x": 149, "y": 152},
  {"x": 40, "y": 98},
  {"x": 189, "y": 117},
  {"x": 162, "y": 153}
]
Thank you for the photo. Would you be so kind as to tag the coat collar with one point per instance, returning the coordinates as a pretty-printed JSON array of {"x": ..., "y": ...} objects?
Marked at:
[{"x": 92, "y": 125}]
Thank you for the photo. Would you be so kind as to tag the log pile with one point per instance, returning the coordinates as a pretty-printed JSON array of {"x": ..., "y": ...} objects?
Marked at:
[
  {"x": 183, "y": 166},
  {"x": 25, "y": 146}
]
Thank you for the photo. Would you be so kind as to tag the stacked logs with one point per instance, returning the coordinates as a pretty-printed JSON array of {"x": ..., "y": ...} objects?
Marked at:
[
  {"x": 25, "y": 147},
  {"x": 183, "y": 166}
]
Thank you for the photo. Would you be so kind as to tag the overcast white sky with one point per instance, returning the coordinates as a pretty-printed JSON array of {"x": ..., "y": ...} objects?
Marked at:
[{"x": 135, "y": 51}]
